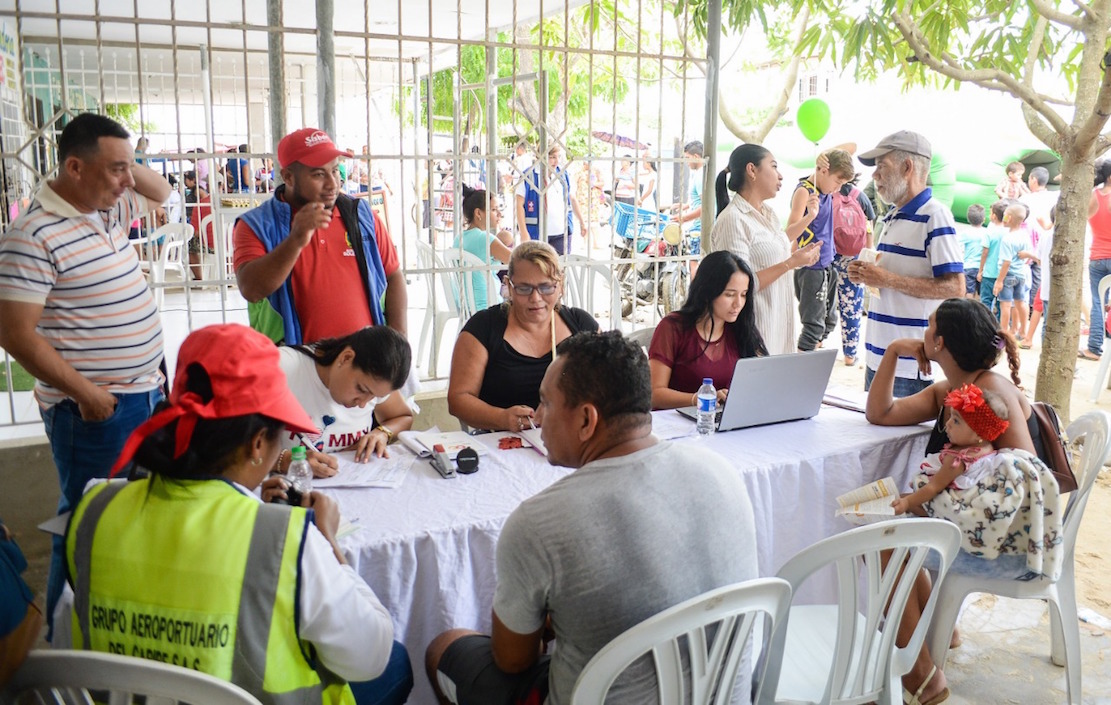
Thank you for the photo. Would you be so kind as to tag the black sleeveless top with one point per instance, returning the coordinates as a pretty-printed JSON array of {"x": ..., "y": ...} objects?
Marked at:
[{"x": 512, "y": 378}]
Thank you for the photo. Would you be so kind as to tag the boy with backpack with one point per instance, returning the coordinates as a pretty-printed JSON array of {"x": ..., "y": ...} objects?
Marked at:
[{"x": 852, "y": 231}]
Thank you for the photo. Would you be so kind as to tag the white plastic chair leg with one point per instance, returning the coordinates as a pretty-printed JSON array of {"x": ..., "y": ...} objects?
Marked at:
[{"x": 1101, "y": 374}]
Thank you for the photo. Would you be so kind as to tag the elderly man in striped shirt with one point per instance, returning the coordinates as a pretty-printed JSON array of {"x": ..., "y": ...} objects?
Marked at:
[
  {"x": 920, "y": 263},
  {"x": 76, "y": 311}
]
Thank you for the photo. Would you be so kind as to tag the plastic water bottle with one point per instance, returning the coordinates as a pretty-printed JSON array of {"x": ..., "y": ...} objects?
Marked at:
[
  {"x": 707, "y": 408},
  {"x": 299, "y": 477}
]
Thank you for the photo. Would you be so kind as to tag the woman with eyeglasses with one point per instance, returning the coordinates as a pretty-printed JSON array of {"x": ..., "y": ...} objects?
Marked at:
[
  {"x": 483, "y": 217},
  {"x": 502, "y": 352}
]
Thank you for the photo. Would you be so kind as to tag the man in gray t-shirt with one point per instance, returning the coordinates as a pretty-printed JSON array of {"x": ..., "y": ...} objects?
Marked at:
[{"x": 642, "y": 525}]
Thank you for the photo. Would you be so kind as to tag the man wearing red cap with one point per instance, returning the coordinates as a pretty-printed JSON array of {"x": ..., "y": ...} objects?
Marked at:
[{"x": 322, "y": 260}]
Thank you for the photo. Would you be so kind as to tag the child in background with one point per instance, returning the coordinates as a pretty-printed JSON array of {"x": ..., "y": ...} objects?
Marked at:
[
  {"x": 1014, "y": 271},
  {"x": 1012, "y": 185},
  {"x": 989, "y": 257},
  {"x": 972, "y": 237},
  {"x": 976, "y": 419},
  {"x": 1041, "y": 301}
]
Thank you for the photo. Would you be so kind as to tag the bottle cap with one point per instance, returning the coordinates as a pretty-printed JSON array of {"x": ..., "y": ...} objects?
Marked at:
[
  {"x": 298, "y": 453},
  {"x": 707, "y": 380}
]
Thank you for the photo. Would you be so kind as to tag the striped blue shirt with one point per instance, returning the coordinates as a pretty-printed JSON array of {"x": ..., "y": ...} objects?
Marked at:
[{"x": 920, "y": 240}]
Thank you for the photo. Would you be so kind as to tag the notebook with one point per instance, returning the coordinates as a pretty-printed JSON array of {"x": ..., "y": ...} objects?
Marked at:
[{"x": 773, "y": 389}]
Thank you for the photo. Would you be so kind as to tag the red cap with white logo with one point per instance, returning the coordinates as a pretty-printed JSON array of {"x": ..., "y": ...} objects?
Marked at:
[{"x": 309, "y": 146}]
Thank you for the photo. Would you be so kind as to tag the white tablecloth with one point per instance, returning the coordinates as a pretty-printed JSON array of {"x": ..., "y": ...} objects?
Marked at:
[{"x": 427, "y": 548}]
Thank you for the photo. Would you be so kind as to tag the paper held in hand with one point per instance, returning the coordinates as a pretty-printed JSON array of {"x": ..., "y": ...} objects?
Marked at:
[{"x": 870, "y": 503}]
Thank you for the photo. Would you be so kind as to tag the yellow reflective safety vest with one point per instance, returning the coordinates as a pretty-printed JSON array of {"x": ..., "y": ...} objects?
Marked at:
[{"x": 196, "y": 574}]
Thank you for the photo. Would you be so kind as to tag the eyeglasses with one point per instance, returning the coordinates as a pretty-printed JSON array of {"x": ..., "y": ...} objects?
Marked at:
[{"x": 545, "y": 289}]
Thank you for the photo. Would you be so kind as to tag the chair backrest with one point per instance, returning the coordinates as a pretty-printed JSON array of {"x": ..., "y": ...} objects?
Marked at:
[
  {"x": 642, "y": 336},
  {"x": 580, "y": 275},
  {"x": 462, "y": 265},
  {"x": 1092, "y": 432},
  {"x": 177, "y": 237},
  {"x": 49, "y": 673},
  {"x": 427, "y": 259},
  {"x": 865, "y": 655},
  {"x": 1102, "y": 288},
  {"x": 711, "y": 630}
]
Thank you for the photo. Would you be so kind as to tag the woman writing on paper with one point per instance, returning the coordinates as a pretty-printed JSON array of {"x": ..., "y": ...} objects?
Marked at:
[
  {"x": 345, "y": 384},
  {"x": 715, "y": 328},
  {"x": 502, "y": 353},
  {"x": 192, "y": 545}
]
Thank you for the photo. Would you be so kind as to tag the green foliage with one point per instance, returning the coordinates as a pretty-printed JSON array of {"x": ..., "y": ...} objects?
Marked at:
[{"x": 127, "y": 114}]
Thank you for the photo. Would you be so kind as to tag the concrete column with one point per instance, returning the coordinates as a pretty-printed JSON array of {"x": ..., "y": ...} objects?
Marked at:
[
  {"x": 710, "y": 132},
  {"x": 326, "y": 66},
  {"x": 276, "y": 58}
]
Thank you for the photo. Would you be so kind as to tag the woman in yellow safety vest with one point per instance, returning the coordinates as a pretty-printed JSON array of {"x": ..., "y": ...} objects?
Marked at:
[{"x": 190, "y": 568}]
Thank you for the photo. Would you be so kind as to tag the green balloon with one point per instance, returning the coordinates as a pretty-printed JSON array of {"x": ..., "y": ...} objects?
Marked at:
[{"x": 813, "y": 119}]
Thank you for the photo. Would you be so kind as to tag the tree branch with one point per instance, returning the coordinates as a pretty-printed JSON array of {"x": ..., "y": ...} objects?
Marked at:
[
  {"x": 1094, "y": 123},
  {"x": 1040, "y": 129},
  {"x": 992, "y": 79},
  {"x": 1049, "y": 12},
  {"x": 1035, "y": 48},
  {"x": 1084, "y": 7}
]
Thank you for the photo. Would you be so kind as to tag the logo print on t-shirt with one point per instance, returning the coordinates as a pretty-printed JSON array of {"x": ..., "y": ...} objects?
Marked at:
[{"x": 350, "y": 251}]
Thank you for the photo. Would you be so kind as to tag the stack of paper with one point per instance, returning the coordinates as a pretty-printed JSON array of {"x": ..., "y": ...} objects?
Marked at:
[
  {"x": 376, "y": 472},
  {"x": 422, "y": 442}
]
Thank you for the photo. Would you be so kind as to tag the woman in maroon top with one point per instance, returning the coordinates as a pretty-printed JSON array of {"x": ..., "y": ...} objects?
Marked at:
[{"x": 706, "y": 337}]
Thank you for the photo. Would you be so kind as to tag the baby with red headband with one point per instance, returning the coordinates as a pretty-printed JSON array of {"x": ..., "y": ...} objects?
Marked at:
[{"x": 976, "y": 419}]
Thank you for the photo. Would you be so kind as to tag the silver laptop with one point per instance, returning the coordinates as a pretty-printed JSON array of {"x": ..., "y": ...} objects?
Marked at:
[{"x": 772, "y": 389}]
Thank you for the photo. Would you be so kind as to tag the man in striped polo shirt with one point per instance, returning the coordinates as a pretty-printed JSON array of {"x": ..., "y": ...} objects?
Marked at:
[
  {"x": 920, "y": 263},
  {"x": 76, "y": 311}
]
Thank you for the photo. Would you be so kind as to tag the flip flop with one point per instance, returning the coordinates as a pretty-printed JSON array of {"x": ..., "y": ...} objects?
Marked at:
[
  {"x": 913, "y": 698},
  {"x": 1087, "y": 355},
  {"x": 1024, "y": 346}
]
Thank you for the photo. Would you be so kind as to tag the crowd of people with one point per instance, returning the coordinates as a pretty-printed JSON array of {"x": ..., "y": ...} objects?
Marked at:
[{"x": 324, "y": 282}]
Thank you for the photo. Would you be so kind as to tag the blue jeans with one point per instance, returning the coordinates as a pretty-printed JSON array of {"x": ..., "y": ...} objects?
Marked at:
[
  {"x": 903, "y": 387},
  {"x": 84, "y": 450},
  {"x": 1097, "y": 269},
  {"x": 987, "y": 296},
  {"x": 390, "y": 688}
]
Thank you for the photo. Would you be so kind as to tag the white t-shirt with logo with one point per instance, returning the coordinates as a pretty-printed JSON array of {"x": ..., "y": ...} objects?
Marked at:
[{"x": 341, "y": 426}]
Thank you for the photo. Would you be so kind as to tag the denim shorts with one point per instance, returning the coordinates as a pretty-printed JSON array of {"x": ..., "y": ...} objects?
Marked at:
[
  {"x": 1014, "y": 289},
  {"x": 971, "y": 286}
]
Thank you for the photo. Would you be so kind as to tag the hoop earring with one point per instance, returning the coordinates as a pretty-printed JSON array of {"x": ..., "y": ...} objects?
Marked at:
[{"x": 256, "y": 461}]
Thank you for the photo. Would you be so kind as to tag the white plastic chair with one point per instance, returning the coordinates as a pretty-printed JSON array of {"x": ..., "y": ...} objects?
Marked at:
[
  {"x": 459, "y": 267},
  {"x": 435, "y": 318},
  {"x": 579, "y": 280},
  {"x": 1105, "y": 358},
  {"x": 846, "y": 652},
  {"x": 60, "y": 676},
  {"x": 642, "y": 337},
  {"x": 172, "y": 256},
  {"x": 711, "y": 629},
  {"x": 1093, "y": 430}
]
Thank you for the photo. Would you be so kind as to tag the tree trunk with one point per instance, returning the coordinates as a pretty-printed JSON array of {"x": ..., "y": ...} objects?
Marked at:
[{"x": 1062, "y": 329}]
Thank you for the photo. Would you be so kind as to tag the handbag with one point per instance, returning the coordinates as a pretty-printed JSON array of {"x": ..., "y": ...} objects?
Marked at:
[{"x": 1054, "y": 452}]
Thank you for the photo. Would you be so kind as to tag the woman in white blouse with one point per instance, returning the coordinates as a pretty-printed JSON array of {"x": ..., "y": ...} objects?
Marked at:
[{"x": 749, "y": 228}]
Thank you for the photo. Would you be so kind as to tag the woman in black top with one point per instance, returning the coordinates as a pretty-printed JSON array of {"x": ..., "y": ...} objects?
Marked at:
[{"x": 502, "y": 353}]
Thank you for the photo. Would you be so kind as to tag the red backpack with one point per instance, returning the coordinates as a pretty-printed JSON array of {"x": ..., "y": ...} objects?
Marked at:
[{"x": 850, "y": 225}]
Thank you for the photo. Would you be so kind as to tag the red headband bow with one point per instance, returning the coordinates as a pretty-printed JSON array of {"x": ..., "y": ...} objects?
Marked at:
[{"x": 976, "y": 412}]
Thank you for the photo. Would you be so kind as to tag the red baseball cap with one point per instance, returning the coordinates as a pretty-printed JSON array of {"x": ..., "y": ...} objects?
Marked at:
[
  {"x": 242, "y": 366},
  {"x": 309, "y": 146}
]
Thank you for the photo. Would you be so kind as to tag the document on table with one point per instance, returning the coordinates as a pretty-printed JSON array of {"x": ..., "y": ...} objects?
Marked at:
[
  {"x": 510, "y": 440},
  {"x": 846, "y": 398},
  {"x": 422, "y": 442},
  {"x": 670, "y": 426},
  {"x": 377, "y": 472}
]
